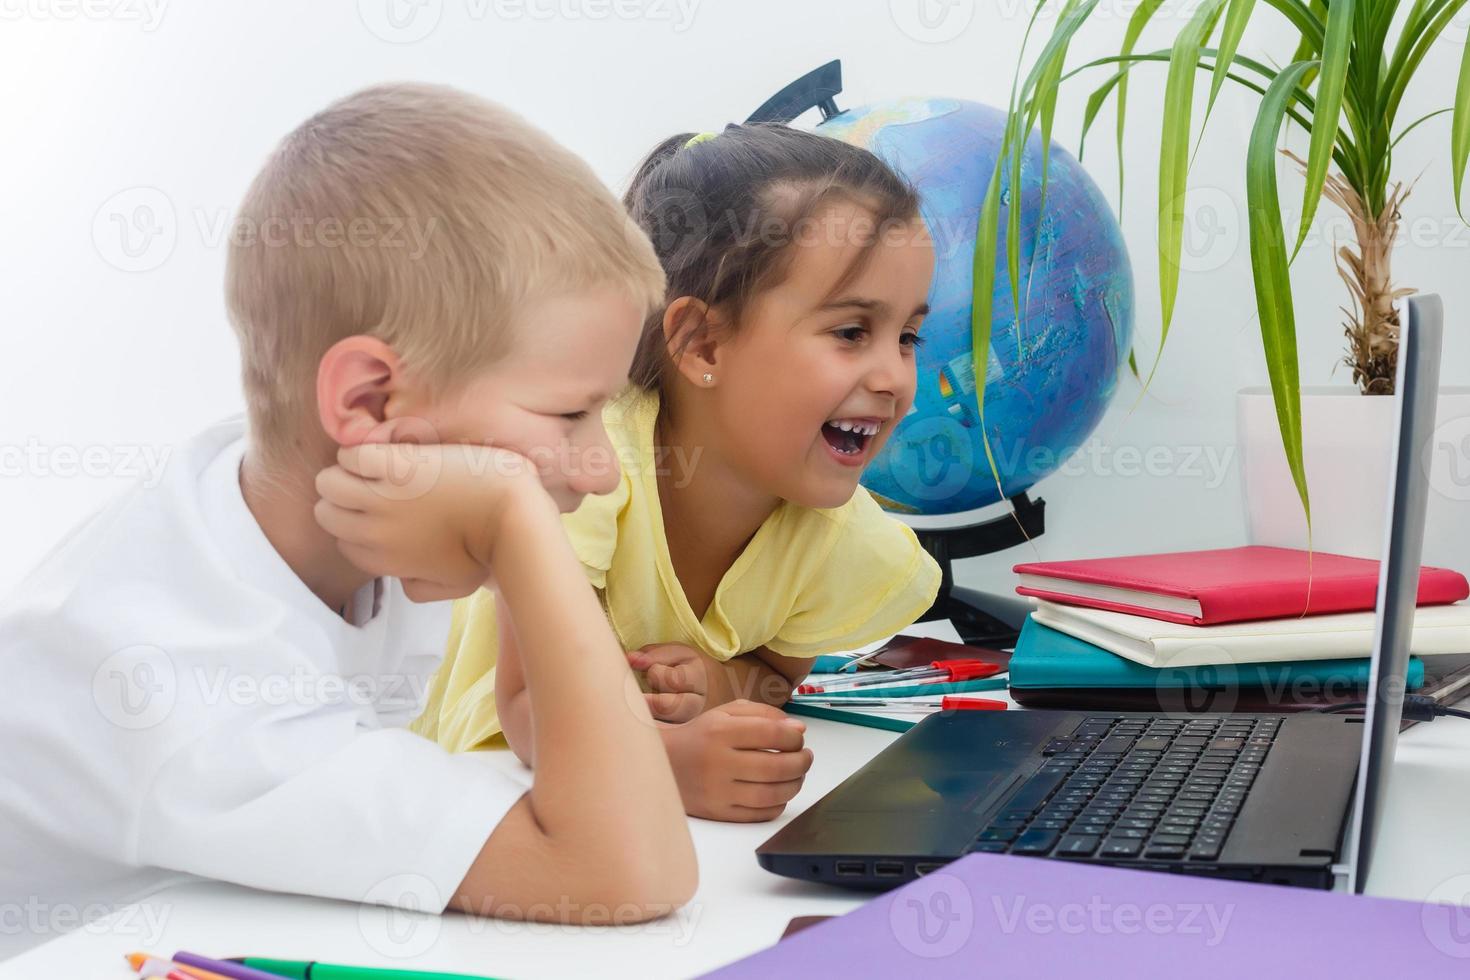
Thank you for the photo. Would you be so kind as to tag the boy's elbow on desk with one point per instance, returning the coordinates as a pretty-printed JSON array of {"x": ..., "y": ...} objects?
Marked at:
[
  {"x": 643, "y": 876},
  {"x": 647, "y": 878},
  {"x": 615, "y": 893},
  {"x": 652, "y": 892},
  {"x": 591, "y": 879}
]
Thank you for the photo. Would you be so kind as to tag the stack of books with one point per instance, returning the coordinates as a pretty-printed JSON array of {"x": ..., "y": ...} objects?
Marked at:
[{"x": 1232, "y": 629}]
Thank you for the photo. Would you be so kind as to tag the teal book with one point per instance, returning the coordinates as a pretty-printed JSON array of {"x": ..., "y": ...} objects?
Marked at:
[{"x": 1048, "y": 658}]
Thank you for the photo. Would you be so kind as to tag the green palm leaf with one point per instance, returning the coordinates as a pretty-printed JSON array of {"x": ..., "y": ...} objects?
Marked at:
[
  {"x": 1411, "y": 51},
  {"x": 1136, "y": 23},
  {"x": 1095, "y": 102},
  {"x": 1460, "y": 129},
  {"x": 1302, "y": 17},
  {"x": 1236, "y": 17},
  {"x": 1305, "y": 49},
  {"x": 1269, "y": 269},
  {"x": 1335, "y": 48},
  {"x": 983, "y": 277},
  {"x": 1415, "y": 124},
  {"x": 1044, "y": 76},
  {"x": 1299, "y": 110},
  {"x": 1174, "y": 157}
]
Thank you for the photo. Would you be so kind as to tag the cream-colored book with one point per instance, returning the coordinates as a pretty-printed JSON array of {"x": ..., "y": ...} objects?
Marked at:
[{"x": 1155, "y": 643}]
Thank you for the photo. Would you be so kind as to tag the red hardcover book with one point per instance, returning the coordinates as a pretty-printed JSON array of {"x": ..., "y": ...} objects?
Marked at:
[{"x": 1225, "y": 585}]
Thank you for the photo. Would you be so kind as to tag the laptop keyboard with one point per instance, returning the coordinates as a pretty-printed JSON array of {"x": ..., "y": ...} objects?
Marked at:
[{"x": 1135, "y": 788}]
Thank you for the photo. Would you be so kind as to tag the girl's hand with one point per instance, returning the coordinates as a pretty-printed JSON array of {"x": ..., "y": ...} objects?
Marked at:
[
  {"x": 680, "y": 679},
  {"x": 741, "y": 762},
  {"x": 426, "y": 514}
]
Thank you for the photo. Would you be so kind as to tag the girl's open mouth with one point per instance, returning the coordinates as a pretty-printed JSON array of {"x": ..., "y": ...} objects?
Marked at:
[{"x": 849, "y": 438}]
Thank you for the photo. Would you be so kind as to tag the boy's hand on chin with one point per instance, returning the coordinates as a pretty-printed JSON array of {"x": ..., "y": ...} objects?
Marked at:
[
  {"x": 741, "y": 762},
  {"x": 426, "y": 514}
]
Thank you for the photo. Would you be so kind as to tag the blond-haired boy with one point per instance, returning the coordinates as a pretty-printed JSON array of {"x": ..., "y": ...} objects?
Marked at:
[{"x": 213, "y": 687}]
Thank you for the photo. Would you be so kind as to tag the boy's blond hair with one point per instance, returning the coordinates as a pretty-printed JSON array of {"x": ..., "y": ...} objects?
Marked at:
[{"x": 425, "y": 217}]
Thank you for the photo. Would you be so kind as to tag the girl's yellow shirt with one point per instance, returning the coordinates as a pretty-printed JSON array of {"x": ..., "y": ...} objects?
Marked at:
[{"x": 811, "y": 581}]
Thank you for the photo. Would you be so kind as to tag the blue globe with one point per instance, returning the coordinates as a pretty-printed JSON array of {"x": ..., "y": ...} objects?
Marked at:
[{"x": 1049, "y": 372}]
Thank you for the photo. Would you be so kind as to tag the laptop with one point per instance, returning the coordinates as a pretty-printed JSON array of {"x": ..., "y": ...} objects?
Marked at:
[{"x": 1292, "y": 798}]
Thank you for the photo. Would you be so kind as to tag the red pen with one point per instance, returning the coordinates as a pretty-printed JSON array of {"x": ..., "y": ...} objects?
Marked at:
[
  {"x": 938, "y": 672},
  {"x": 955, "y": 702},
  {"x": 950, "y": 702}
]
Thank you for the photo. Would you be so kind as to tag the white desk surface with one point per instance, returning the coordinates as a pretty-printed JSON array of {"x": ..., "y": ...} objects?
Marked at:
[{"x": 738, "y": 909}]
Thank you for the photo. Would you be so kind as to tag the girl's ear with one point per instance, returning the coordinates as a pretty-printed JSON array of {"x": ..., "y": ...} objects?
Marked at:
[
  {"x": 692, "y": 333},
  {"x": 355, "y": 380}
]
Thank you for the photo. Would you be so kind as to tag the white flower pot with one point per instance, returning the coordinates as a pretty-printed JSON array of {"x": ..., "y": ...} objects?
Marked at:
[{"x": 1346, "y": 441}]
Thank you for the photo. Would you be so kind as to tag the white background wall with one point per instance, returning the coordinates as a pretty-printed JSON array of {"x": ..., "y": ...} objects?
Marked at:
[{"x": 113, "y": 104}]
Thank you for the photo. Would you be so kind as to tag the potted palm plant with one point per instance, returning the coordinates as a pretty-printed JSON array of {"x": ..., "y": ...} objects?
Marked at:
[{"x": 1343, "y": 87}]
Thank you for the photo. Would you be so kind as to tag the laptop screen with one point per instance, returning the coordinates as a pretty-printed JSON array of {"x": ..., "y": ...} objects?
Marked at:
[{"x": 1417, "y": 389}]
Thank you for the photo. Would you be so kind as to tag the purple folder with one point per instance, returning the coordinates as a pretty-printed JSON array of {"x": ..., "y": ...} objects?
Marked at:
[{"x": 998, "y": 915}]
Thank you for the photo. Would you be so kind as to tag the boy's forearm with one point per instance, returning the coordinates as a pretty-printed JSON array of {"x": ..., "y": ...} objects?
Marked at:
[
  {"x": 512, "y": 703},
  {"x": 515, "y": 724},
  {"x": 601, "y": 769}
]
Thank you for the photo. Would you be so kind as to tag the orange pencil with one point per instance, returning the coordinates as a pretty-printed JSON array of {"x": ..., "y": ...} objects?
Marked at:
[
  {"x": 194, "y": 973},
  {"x": 147, "y": 965}
]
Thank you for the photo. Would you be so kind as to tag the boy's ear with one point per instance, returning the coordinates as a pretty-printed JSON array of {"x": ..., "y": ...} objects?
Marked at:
[
  {"x": 355, "y": 380},
  {"x": 692, "y": 332}
]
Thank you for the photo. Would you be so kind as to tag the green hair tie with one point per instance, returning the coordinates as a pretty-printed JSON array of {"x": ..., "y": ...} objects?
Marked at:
[{"x": 699, "y": 138}]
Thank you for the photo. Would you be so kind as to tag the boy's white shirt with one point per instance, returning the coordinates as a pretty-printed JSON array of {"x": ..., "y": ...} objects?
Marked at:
[{"x": 182, "y": 705}]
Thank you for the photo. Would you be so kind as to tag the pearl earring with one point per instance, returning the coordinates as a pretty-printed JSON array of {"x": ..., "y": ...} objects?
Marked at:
[{"x": 709, "y": 379}]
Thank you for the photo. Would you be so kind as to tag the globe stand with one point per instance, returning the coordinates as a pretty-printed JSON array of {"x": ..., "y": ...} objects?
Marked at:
[
  {"x": 982, "y": 618},
  {"x": 817, "y": 89}
]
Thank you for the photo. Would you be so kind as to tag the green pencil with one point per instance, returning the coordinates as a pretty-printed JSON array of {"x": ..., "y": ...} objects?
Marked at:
[
  {"x": 850, "y": 717},
  {"x": 312, "y": 970}
]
